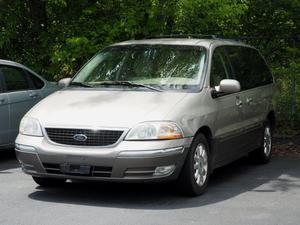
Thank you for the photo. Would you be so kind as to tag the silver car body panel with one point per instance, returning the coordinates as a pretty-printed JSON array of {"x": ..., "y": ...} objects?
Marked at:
[{"x": 86, "y": 108}]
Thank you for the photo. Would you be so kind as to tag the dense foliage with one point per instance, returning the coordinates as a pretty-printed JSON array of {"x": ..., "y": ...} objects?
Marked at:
[{"x": 56, "y": 37}]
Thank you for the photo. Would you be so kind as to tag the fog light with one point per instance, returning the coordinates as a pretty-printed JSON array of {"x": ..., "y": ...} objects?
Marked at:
[{"x": 164, "y": 170}]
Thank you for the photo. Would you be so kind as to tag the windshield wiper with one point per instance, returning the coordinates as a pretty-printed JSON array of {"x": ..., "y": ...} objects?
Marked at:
[
  {"x": 81, "y": 84},
  {"x": 128, "y": 83}
]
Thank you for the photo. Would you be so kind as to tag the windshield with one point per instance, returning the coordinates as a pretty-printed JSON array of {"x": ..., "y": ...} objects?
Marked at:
[{"x": 165, "y": 67}]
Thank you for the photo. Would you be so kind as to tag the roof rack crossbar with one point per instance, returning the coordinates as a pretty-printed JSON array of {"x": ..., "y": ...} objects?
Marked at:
[{"x": 202, "y": 36}]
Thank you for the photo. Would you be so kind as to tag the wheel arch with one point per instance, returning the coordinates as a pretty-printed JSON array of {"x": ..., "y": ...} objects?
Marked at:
[{"x": 206, "y": 131}]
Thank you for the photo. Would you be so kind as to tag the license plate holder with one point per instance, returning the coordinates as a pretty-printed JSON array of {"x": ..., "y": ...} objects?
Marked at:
[{"x": 75, "y": 169}]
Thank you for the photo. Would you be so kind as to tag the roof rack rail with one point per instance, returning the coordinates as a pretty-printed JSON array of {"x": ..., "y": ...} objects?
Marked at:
[{"x": 201, "y": 36}]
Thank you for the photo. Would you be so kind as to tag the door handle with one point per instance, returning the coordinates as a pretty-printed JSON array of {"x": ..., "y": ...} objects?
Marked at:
[
  {"x": 2, "y": 100},
  {"x": 33, "y": 95},
  {"x": 249, "y": 101},
  {"x": 239, "y": 102}
]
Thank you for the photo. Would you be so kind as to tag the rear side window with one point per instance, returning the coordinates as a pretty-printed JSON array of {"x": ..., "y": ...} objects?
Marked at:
[
  {"x": 249, "y": 67},
  {"x": 14, "y": 78},
  {"x": 36, "y": 82},
  {"x": 260, "y": 71}
]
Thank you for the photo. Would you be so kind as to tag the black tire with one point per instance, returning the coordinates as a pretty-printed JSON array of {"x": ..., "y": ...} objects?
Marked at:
[
  {"x": 187, "y": 181},
  {"x": 261, "y": 155},
  {"x": 48, "y": 182}
]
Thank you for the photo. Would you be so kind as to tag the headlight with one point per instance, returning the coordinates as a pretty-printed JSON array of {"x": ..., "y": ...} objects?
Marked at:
[
  {"x": 155, "y": 131},
  {"x": 31, "y": 127}
]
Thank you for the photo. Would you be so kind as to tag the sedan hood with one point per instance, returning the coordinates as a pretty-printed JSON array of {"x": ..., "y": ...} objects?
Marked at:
[{"x": 98, "y": 108}]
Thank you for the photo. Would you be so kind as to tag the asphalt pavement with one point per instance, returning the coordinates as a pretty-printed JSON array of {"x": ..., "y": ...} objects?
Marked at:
[{"x": 238, "y": 194}]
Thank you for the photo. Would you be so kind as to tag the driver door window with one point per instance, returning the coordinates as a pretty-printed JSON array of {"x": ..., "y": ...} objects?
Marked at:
[{"x": 219, "y": 70}]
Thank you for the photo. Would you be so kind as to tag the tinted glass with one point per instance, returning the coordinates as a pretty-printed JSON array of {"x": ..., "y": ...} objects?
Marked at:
[
  {"x": 219, "y": 68},
  {"x": 37, "y": 82},
  {"x": 261, "y": 74},
  {"x": 240, "y": 63},
  {"x": 15, "y": 78},
  {"x": 249, "y": 67},
  {"x": 162, "y": 66},
  {"x": 1, "y": 85}
]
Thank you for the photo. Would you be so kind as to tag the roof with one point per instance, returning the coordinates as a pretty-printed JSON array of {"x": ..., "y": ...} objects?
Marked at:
[{"x": 10, "y": 63}]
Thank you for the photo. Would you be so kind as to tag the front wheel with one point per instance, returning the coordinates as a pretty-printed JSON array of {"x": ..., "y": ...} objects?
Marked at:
[
  {"x": 48, "y": 182},
  {"x": 195, "y": 173},
  {"x": 262, "y": 155}
]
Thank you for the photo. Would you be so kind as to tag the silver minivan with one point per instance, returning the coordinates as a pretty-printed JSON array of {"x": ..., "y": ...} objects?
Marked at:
[
  {"x": 20, "y": 89},
  {"x": 156, "y": 109}
]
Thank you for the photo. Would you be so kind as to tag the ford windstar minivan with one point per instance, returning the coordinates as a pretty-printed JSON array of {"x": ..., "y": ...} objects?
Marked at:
[{"x": 157, "y": 109}]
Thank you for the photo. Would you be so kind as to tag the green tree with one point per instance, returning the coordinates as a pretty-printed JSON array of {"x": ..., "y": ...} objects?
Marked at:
[{"x": 56, "y": 37}]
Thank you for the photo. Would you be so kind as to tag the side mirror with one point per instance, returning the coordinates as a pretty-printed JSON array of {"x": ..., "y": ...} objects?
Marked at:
[
  {"x": 229, "y": 86},
  {"x": 226, "y": 86},
  {"x": 64, "y": 82}
]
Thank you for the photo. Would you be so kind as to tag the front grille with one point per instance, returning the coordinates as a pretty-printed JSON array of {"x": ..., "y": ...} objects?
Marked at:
[{"x": 93, "y": 137}]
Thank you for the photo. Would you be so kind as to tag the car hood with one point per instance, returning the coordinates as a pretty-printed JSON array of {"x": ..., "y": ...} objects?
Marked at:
[{"x": 98, "y": 108}]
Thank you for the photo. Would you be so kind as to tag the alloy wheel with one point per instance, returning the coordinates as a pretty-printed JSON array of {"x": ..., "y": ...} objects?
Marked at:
[
  {"x": 267, "y": 141},
  {"x": 200, "y": 164}
]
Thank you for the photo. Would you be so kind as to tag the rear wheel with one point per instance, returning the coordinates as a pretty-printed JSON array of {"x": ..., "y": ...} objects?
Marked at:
[
  {"x": 48, "y": 182},
  {"x": 195, "y": 173},
  {"x": 262, "y": 155}
]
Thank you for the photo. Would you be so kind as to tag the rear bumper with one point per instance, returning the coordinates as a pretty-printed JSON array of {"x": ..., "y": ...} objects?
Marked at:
[{"x": 129, "y": 161}]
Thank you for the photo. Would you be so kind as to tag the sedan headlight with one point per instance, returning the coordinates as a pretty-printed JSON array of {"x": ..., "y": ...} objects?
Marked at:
[
  {"x": 155, "y": 131},
  {"x": 31, "y": 127}
]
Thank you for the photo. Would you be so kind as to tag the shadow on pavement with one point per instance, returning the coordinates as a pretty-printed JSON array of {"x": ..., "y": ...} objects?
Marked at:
[
  {"x": 8, "y": 160},
  {"x": 226, "y": 183}
]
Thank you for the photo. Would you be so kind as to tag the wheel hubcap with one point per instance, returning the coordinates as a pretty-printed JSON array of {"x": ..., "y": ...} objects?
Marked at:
[
  {"x": 267, "y": 141},
  {"x": 200, "y": 164}
]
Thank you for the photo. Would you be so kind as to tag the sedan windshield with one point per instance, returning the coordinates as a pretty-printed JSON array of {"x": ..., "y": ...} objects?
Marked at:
[{"x": 152, "y": 67}]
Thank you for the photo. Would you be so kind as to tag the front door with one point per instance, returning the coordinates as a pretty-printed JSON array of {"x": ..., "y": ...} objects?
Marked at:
[
  {"x": 19, "y": 98},
  {"x": 228, "y": 123},
  {"x": 36, "y": 85}
]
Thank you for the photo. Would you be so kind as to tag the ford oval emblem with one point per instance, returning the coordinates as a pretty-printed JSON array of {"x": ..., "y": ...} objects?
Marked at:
[{"x": 80, "y": 137}]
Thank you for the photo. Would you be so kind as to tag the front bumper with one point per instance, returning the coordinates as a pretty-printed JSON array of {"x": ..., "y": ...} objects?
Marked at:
[{"x": 128, "y": 161}]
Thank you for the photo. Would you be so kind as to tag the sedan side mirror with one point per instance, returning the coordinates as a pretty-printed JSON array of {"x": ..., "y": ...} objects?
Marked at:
[
  {"x": 227, "y": 86},
  {"x": 64, "y": 82}
]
